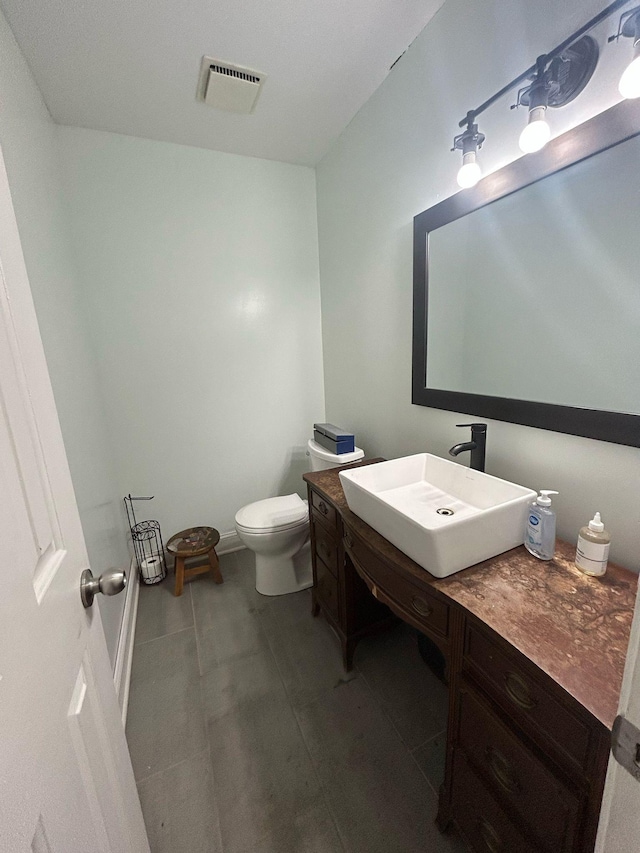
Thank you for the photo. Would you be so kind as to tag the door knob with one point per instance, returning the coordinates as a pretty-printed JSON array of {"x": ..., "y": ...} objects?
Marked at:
[{"x": 109, "y": 583}]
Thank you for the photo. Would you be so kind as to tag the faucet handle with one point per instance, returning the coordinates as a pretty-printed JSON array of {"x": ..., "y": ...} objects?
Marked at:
[{"x": 475, "y": 427}]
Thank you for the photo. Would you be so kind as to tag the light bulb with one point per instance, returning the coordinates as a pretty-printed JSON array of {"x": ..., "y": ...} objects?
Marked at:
[
  {"x": 537, "y": 132},
  {"x": 629, "y": 85},
  {"x": 470, "y": 172}
]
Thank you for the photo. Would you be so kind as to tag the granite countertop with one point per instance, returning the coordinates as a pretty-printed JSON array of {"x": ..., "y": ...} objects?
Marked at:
[{"x": 573, "y": 627}]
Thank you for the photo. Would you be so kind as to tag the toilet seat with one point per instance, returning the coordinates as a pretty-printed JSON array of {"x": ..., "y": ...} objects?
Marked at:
[{"x": 281, "y": 513}]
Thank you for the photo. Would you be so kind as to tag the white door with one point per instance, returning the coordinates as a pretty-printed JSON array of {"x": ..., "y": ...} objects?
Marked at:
[
  {"x": 66, "y": 782},
  {"x": 619, "y": 830}
]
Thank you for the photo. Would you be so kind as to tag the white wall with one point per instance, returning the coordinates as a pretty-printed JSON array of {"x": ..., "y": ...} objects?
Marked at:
[
  {"x": 200, "y": 282},
  {"x": 392, "y": 162},
  {"x": 27, "y": 138}
]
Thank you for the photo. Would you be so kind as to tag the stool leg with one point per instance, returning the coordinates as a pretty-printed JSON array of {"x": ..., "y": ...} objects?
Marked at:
[
  {"x": 215, "y": 566},
  {"x": 179, "y": 575}
]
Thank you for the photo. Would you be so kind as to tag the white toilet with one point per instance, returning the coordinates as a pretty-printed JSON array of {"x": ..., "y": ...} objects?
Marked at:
[{"x": 277, "y": 531}]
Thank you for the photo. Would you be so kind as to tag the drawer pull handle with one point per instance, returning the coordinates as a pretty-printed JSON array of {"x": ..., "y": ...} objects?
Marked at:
[
  {"x": 492, "y": 840},
  {"x": 348, "y": 540},
  {"x": 421, "y": 607},
  {"x": 518, "y": 691},
  {"x": 323, "y": 508},
  {"x": 502, "y": 772}
]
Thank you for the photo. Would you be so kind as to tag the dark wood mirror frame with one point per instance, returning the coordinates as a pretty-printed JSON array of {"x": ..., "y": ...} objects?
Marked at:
[{"x": 610, "y": 128}]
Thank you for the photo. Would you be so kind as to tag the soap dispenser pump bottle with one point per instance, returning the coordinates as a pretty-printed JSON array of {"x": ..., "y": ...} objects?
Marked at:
[
  {"x": 592, "y": 553},
  {"x": 540, "y": 530}
]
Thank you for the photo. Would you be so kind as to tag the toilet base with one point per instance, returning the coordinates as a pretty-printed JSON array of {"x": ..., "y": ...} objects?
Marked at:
[{"x": 278, "y": 575}]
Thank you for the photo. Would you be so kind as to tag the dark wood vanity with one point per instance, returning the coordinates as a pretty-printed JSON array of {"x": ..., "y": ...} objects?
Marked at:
[{"x": 534, "y": 652}]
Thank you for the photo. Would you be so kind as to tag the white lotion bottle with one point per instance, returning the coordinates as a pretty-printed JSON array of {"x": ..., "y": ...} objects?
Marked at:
[
  {"x": 592, "y": 553},
  {"x": 540, "y": 529}
]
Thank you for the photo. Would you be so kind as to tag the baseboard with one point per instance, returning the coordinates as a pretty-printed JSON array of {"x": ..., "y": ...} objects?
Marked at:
[
  {"x": 124, "y": 653},
  {"x": 229, "y": 542}
]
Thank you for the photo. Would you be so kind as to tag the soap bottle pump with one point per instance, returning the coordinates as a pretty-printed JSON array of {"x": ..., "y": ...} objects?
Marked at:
[
  {"x": 592, "y": 552},
  {"x": 540, "y": 529}
]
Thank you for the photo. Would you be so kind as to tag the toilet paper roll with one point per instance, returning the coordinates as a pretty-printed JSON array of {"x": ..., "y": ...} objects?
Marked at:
[{"x": 152, "y": 569}]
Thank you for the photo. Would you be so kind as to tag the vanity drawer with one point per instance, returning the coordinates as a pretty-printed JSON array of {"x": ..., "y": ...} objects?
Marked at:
[
  {"x": 425, "y": 611},
  {"x": 323, "y": 510},
  {"x": 326, "y": 589},
  {"x": 484, "y": 823},
  {"x": 326, "y": 547},
  {"x": 515, "y": 774},
  {"x": 525, "y": 697}
]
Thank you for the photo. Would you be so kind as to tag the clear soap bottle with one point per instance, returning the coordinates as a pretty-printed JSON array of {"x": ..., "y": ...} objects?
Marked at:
[
  {"x": 540, "y": 529},
  {"x": 592, "y": 553}
]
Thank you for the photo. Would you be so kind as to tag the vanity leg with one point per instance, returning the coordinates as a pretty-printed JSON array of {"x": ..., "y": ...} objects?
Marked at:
[
  {"x": 443, "y": 818},
  {"x": 348, "y": 649},
  {"x": 315, "y": 607}
]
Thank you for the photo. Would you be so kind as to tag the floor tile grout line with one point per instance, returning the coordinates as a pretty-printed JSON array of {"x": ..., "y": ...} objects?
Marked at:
[
  {"x": 325, "y": 795},
  {"x": 196, "y": 632},
  {"x": 215, "y": 805},
  {"x": 307, "y": 750},
  {"x": 409, "y": 751},
  {"x": 171, "y": 766},
  {"x": 428, "y": 740},
  {"x": 437, "y": 796},
  {"x": 163, "y": 636},
  {"x": 201, "y": 676},
  {"x": 390, "y": 718},
  {"x": 428, "y": 781},
  {"x": 380, "y": 704}
]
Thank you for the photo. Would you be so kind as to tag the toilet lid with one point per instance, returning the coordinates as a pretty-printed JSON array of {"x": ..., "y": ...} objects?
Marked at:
[
  {"x": 273, "y": 512},
  {"x": 336, "y": 458}
]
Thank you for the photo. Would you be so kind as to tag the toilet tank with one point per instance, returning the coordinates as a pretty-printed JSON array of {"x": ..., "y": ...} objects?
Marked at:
[{"x": 322, "y": 459}]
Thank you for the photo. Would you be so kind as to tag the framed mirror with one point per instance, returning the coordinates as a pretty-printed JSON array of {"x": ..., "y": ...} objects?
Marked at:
[{"x": 527, "y": 288}]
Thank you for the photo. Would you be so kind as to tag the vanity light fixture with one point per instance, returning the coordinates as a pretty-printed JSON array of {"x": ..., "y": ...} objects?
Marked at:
[
  {"x": 629, "y": 27},
  {"x": 469, "y": 142},
  {"x": 554, "y": 80}
]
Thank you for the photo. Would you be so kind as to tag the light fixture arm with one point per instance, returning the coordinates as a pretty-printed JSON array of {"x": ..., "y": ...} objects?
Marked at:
[
  {"x": 628, "y": 25},
  {"x": 471, "y": 140},
  {"x": 539, "y": 89}
]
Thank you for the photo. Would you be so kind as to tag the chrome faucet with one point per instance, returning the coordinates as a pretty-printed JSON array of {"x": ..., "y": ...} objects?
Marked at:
[{"x": 477, "y": 445}]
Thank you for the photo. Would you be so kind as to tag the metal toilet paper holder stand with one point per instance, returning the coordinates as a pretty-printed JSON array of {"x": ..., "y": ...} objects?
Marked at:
[{"x": 147, "y": 541}]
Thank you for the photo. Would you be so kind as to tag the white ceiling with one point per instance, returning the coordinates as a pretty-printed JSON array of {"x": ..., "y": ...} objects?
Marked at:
[{"x": 131, "y": 66}]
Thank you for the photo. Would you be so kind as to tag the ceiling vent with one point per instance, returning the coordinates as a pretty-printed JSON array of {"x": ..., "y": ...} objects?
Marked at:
[{"x": 228, "y": 87}]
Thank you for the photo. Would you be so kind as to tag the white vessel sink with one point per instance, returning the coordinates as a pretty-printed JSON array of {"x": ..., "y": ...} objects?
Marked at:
[{"x": 404, "y": 499}]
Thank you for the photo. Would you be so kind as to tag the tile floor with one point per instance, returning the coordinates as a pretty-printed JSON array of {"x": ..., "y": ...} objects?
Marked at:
[{"x": 247, "y": 736}]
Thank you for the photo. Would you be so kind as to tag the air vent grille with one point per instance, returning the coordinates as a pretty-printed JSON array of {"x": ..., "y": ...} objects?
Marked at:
[
  {"x": 232, "y": 72},
  {"x": 229, "y": 87}
]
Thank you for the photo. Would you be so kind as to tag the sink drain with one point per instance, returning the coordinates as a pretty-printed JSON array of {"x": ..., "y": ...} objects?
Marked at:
[{"x": 445, "y": 510}]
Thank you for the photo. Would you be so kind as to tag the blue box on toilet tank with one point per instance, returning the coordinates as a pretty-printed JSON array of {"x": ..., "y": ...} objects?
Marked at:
[{"x": 334, "y": 438}]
